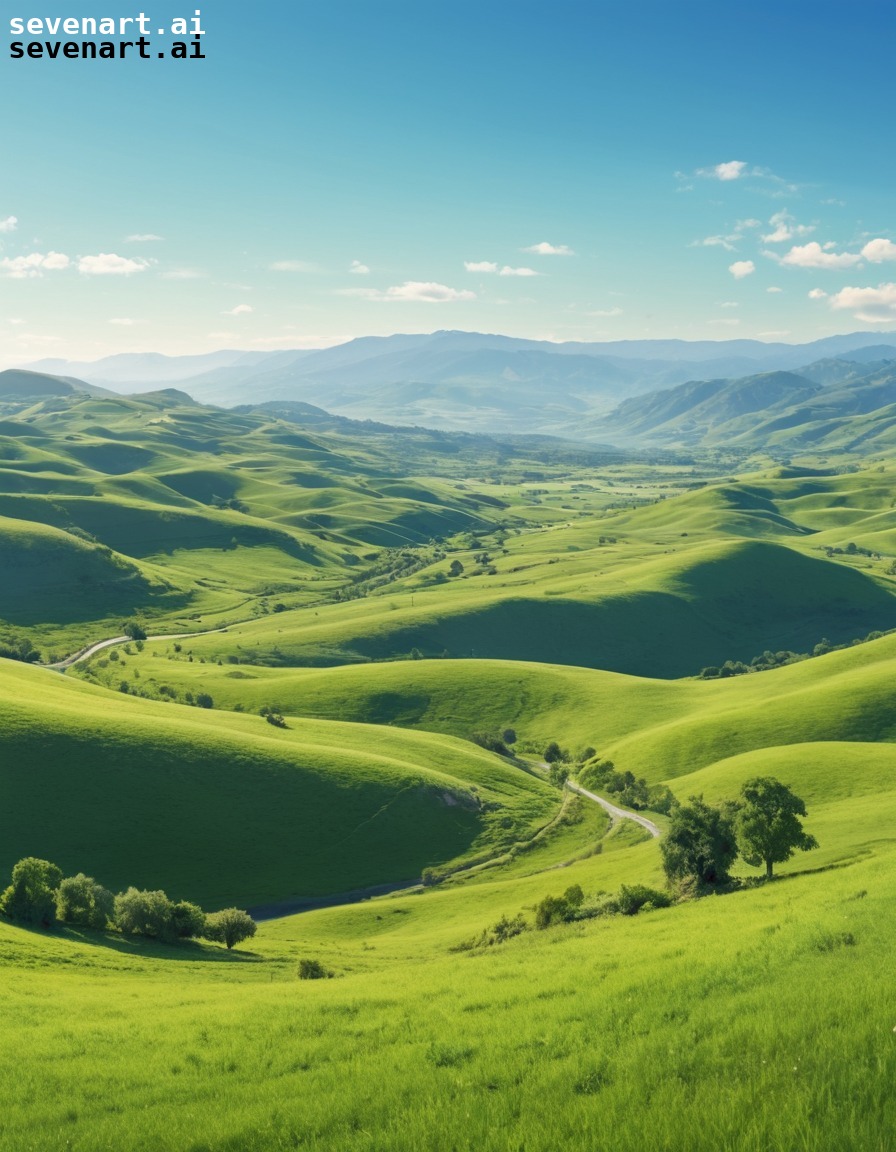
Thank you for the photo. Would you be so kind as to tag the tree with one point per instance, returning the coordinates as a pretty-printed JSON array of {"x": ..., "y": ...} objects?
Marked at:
[
  {"x": 145, "y": 914},
  {"x": 187, "y": 920},
  {"x": 31, "y": 896},
  {"x": 80, "y": 900},
  {"x": 230, "y": 926},
  {"x": 203, "y": 700},
  {"x": 134, "y": 631},
  {"x": 455, "y": 568},
  {"x": 553, "y": 753},
  {"x": 769, "y": 829},
  {"x": 700, "y": 843}
]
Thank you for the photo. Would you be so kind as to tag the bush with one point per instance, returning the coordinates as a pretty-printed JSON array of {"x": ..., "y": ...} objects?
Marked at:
[
  {"x": 15, "y": 646},
  {"x": 633, "y": 898},
  {"x": 80, "y": 900},
  {"x": 230, "y": 926},
  {"x": 188, "y": 920},
  {"x": 31, "y": 897},
  {"x": 491, "y": 742},
  {"x": 203, "y": 700},
  {"x": 134, "y": 631},
  {"x": 142, "y": 913},
  {"x": 508, "y": 736},
  {"x": 313, "y": 970},
  {"x": 275, "y": 719}
]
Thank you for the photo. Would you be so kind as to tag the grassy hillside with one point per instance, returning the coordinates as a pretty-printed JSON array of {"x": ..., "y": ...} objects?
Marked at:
[{"x": 227, "y": 808}]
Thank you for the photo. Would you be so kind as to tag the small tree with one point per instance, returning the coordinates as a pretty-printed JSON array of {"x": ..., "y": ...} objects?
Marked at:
[
  {"x": 134, "y": 631},
  {"x": 203, "y": 700},
  {"x": 188, "y": 920},
  {"x": 80, "y": 900},
  {"x": 455, "y": 568},
  {"x": 700, "y": 843},
  {"x": 769, "y": 829},
  {"x": 553, "y": 753},
  {"x": 509, "y": 736},
  {"x": 145, "y": 914},
  {"x": 230, "y": 926},
  {"x": 31, "y": 897}
]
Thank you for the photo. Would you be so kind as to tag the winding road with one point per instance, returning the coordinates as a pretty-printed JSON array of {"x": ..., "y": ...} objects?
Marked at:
[
  {"x": 86, "y": 653},
  {"x": 615, "y": 812}
]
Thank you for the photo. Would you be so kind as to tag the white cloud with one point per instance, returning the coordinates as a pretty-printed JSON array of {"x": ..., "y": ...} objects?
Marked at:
[
  {"x": 743, "y": 225},
  {"x": 776, "y": 332},
  {"x": 34, "y": 265},
  {"x": 9, "y": 224},
  {"x": 879, "y": 250},
  {"x": 726, "y": 322},
  {"x": 413, "y": 291},
  {"x": 480, "y": 266},
  {"x": 774, "y": 289},
  {"x": 812, "y": 255},
  {"x": 142, "y": 238},
  {"x": 741, "y": 268},
  {"x": 546, "y": 249},
  {"x": 605, "y": 312},
  {"x": 292, "y": 266},
  {"x": 726, "y": 242},
  {"x": 508, "y": 271},
  {"x": 785, "y": 228},
  {"x": 108, "y": 264},
  {"x": 873, "y": 305},
  {"x": 730, "y": 170},
  {"x": 123, "y": 322},
  {"x": 729, "y": 304},
  {"x": 239, "y": 310},
  {"x": 183, "y": 274},
  {"x": 15, "y": 320},
  {"x": 817, "y": 294},
  {"x": 359, "y": 269}
]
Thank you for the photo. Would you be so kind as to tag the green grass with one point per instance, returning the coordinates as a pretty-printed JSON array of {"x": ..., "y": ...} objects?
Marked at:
[{"x": 224, "y": 809}]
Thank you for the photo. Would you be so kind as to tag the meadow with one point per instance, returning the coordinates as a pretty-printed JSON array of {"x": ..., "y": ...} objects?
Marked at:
[{"x": 392, "y": 596}]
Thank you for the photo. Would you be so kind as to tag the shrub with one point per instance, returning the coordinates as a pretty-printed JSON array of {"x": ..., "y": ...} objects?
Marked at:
[
  {"x": 508, "y": 736},
  {"x": 491, "y": 742},
  {"x": 31, "y": 897},
  {"x": 313, "y": 970},
  {"x": 275, "y": 719},
  {"x": 142, "y": 913},
  {"x": 188, "y": 920},
  {"x": 203, "y": 700},
  {"x": 81, "y": 900},
  {"x": 134, "y": 631},
  {"x": 633, "y": 898}
]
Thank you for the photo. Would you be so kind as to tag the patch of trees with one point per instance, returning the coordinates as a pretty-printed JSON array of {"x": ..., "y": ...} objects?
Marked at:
[
  {"x": 40, "y": 895},
  {"x": 16, "y": 646},
  {"x": 631, "y": 792},
  {"x": 770, "y": 659},
  {"x": 572, "y": 905},
  {"x": 764, "y": 826}
]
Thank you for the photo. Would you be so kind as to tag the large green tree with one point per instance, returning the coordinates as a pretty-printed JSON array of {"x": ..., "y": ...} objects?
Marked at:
[
  {"x": 700, "y": 844},
  {"x": 769, "y": 829},
  {"x": 32, "y": 895}
]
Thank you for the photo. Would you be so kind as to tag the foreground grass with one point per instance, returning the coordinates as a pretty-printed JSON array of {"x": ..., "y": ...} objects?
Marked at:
[{"x": 751, "y": 1023}]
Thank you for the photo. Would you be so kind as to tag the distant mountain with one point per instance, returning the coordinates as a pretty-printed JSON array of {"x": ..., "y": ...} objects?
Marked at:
[
  {"x": 471, "y": 381},
  {"x": 831, "y": 404}
]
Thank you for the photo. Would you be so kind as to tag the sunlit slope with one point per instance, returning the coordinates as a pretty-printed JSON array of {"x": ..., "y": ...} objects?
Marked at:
[
  {"x": 849, "y": 790},
  {"x": 665, "y": 616},
  {"x": 751, "y": 1022},
  {"x": 225, "y": 809},
  {"x": 660, "y": 729}
]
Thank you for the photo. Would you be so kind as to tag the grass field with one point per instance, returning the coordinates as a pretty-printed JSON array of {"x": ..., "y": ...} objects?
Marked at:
[{"x": 590, "y": 596}]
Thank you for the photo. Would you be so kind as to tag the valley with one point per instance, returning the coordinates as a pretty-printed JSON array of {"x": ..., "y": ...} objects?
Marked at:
[{"x": 341, "y": 653}]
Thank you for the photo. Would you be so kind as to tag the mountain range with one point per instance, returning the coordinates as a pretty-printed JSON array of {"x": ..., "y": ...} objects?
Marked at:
[{"x": 829, "y": 393}]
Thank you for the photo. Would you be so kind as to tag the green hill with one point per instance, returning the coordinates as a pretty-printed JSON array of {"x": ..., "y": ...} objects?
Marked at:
[{"x": 226, "y": 809}]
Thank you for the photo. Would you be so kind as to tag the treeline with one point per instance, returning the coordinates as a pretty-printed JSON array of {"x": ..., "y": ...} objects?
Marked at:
[
  {"x": 778, "y": 659},
  {"x": 39, "y": 894}
]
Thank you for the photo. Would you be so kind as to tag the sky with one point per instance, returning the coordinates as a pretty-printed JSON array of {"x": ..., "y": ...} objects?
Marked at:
[{"x": 586, "y": 170}]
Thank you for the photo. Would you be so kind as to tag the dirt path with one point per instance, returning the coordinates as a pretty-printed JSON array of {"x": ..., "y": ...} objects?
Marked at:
[
  {"x": 92, "y": 650},
  {"x": 616, "y": 812}
]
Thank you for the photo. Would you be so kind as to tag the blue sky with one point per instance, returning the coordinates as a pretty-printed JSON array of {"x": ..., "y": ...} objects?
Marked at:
[{"x": 565, "y": 171}]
